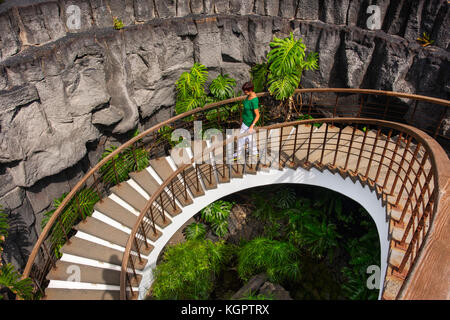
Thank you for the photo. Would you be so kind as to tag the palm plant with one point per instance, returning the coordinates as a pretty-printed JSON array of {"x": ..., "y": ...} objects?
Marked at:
[
  {"x": 11, "y": 279},
  {"x": 280, "y": 260},
  {"x": 195, "y": 231},
  {"x": 319, "y": 238},
  {"x": 221, "y": 88},
  {"x": 191, "y": 92},
  {"x": 285, "y": 198},
  {"x": 81, "y": 206},
  {"x": 286, "y": 62},
  {"x": 217, "y": 214},
  {"x": 116, "y": 169}
]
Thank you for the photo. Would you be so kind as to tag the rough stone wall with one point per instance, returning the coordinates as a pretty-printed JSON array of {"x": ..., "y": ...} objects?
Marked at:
[{"x": 64, "y": 95}]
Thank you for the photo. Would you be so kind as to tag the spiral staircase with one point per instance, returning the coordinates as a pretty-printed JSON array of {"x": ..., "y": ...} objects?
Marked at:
[{"x": 108, "y": 253}]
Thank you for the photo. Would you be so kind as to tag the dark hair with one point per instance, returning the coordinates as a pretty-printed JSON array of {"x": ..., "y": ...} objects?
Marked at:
[{"x": 248, "y": 86}]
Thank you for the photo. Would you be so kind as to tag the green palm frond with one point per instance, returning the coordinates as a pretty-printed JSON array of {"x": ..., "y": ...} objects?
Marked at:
[
  {"x": 220, "y": 228},
  {"x": 286, "y": 55},
  {"x": 311, "y": 62},
  {"x": 114, "y": 170},
  {"x": 11, "y": 279},
  {"x": 258, "y": 75},
  {"x": 285, "y": 198},
  {"x": 282, "y": 87},
  {"x": 188, "y": 103},
  {"x": 222, "y": 87},
  {"x": 199, "y": 73},
  {"x": 195, "y": 231},
  {"x": 216, "y": 211}
]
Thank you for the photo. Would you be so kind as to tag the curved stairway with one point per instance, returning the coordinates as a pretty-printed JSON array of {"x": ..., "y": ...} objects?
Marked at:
[{"x": 91, "y": 262}]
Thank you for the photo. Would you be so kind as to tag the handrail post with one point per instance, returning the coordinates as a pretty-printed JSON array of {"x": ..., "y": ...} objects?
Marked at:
[
  {"x": 382, "y": 156},
  {"x": 324, "y": 143},
  {"x": 350, "y": 147}
]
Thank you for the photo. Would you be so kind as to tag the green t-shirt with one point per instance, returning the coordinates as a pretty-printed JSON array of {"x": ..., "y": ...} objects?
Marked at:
[{"x": 248, "y": 114}]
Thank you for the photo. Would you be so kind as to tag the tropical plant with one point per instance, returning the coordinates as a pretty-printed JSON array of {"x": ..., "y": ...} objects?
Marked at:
[
  {"x": 116, "y": 169},
  {"x": 263, "y": 207},
  {"x": 222, "y": 87},
  {"x": 11, "y": 279},
  {"x": 118, "y": 24},
  {"x": 319, "y": 238},
  {"x": 258, "y": 75},
  {"x": 217, "y": 214},
  {"x": 425, "y": 40},
  {"x": 285, "y": 198},
  {"x": 217, "y": 211},
  {"x": 195, "y": 231},
  {"x": 4, "y": 226},
  {"x": 286, "y": 62},
  {"x": 280, "y": 260},
  {"x": 191, "y": 92},
  {"x": 188, "y": 270},
  {"x": 79, "y": 207},
  {"x": 364, "y": 252}
]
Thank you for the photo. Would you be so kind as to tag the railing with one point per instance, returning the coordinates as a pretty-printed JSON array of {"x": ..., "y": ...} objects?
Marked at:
[
  {"x": 222, "y": 115},
  {"x": 412, "y": 175}
]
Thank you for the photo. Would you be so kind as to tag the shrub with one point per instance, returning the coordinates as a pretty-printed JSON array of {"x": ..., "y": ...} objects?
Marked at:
[
  {"x": 81, "y": 206},
  {"x": 9, "y": 277},
  {"x": 217, "y": 214},
  {"x": 189, "y": 269},
  {"x": 195, "y": 231},
  {"x": 116, "y": 169},
  {"x": 280, "y": 260}
]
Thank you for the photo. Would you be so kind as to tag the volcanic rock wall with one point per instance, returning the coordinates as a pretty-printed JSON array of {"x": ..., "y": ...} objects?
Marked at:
[{"x": 67, "y": 93}]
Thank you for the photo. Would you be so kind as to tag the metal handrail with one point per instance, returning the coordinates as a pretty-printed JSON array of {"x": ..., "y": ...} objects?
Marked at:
[
  {"x": 94, "y": 174},
  {"x": 438, "y": 174}
]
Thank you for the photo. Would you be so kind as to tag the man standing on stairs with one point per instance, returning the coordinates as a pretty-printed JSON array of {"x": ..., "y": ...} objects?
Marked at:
[{"x": 250, "y": 116}]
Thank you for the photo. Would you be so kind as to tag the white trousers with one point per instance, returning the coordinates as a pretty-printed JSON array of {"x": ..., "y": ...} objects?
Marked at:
[{"x": 250, "y": 139}]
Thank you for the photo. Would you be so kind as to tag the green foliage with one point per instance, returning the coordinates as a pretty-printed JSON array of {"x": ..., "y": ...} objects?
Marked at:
[
  {"x": 217, "y": 211},
  {"x": 222, "y": 87},
  {"x": 362, "y": 255},
  {"x": 319, "y": 238},
  {"x": 4, "y": 226},
  {"x": 11, "y": 279},
  {"x": 258, "y": 74},
  {"x": 217, "y": 214},
  {"x": 286, "y": 62},
  {"x": 79, "y": 207},
  {"x": 195, "y": 231},
  {"x": 425, "y": 40},
  {"x": 118, "y": 24},
  {"x": 280, "y": 260},
  {"x": 308, "y": 117},
  {"x": 263, "y": 207},
  {"x": 285, "y": 198},
  {"x": 189, "y": 269},
  {"x": 191, "y": 93},
  {"x": 116, "y": 169},
  {"x": 250, "y": 295}
]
